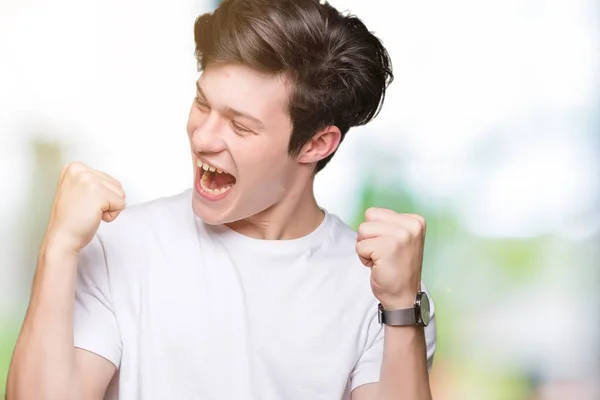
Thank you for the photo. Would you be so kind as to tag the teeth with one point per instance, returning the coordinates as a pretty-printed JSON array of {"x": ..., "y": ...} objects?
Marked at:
[
  {"x": 208, "y": 167},
  {"x": 222, "y": 190}
]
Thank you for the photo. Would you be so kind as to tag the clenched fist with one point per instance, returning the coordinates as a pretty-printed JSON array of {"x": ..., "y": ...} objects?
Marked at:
[
  {"x": 391, "y": 244},
  {"x": 84, "y": 197}
]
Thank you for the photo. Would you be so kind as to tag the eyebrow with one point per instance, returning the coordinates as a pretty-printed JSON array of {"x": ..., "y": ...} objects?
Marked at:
[{"x": 233, "y": 111}]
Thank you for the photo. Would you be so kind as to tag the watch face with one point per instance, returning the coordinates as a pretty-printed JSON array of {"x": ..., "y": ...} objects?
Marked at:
[{"x": 425, "y": 311}]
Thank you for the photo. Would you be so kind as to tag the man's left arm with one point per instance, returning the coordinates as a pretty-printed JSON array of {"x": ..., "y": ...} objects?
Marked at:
[
  {"x": 404, "y": 373},
  {"x": 391, "y": 244}
]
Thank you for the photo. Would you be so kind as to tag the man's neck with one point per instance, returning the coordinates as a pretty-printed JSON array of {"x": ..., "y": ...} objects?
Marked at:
[{"x": 297, "y": 215}]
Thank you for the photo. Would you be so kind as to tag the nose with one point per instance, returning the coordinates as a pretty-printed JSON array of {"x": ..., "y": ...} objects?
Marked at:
[{"x": 208, "y": 136}]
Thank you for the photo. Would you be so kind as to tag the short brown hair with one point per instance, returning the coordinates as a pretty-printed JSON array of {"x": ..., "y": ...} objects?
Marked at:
[{"x": 340, "y": 71}]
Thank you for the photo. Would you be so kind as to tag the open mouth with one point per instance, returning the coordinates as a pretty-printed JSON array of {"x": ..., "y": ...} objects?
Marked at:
[{"x": 213, "y": 180}]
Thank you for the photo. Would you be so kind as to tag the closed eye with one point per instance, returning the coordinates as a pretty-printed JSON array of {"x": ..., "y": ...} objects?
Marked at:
[
  {"x": 200, "y": 103},
  {"x": 241, "y": 128}
]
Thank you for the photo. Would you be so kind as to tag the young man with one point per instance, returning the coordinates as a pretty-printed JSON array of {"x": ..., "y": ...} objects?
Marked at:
[{"x": 242, "y": 287}]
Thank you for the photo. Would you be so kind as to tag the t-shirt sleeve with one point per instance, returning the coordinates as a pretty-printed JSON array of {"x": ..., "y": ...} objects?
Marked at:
[
  {"x": 368, "y": 367},
  {"x": 95, "y": 325}
]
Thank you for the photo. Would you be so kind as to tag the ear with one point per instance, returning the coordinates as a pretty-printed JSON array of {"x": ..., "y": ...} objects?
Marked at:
[{"x": 322, "y": 144}]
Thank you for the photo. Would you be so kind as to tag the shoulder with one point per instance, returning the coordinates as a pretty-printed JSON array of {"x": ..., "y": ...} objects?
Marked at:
[
  {"x": 165, "y": 215},
  {"x": 339, "y": 253},
  {"x": 141, "y": 235},
  {"x": 172, "y": 206},
  {"x": 341, "y": 238},
  {"x": 343, "y": 231}
]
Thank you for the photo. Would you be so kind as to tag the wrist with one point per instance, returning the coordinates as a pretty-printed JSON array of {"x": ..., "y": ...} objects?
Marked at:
[
  {"x": 398, "y": 302},
  {"x": 58, "y": 245}
]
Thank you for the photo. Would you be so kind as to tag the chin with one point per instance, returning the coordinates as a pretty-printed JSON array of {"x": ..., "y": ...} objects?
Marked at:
[
  {"x": 216, "y": 204},
  {"x": 227, "y": 210},
  {"x": 211, "y": 214}
]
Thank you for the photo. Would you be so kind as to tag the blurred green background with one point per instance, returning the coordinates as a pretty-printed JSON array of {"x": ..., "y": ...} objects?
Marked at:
[{"x": 491, "y": 130}]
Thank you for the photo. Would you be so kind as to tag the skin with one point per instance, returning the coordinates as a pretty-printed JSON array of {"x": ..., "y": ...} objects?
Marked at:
[
  {"x": 273, "y": 198},
  {"x": 391, "y": 245}
]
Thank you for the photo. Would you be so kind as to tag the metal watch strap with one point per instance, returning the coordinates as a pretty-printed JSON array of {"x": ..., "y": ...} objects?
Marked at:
[{"x": 404, "y": 317}]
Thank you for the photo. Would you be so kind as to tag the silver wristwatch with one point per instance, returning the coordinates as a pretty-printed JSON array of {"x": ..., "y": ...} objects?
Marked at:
[{"x": 417, "y": 315}]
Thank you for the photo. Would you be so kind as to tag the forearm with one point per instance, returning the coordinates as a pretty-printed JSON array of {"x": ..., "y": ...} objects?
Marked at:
[
  {"x": 43, "y": 364},
  {"x": 404, "y": 373}
]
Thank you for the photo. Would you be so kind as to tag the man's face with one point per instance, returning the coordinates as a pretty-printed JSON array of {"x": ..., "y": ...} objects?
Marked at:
[{"x": 238, "y": 124}]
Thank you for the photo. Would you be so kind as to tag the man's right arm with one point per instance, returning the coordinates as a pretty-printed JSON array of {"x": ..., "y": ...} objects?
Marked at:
[{"x": 45, "y": 363}]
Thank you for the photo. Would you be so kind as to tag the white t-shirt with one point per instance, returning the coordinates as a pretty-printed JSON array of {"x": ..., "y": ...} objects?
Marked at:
[{"x": 191, "y": 311}]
